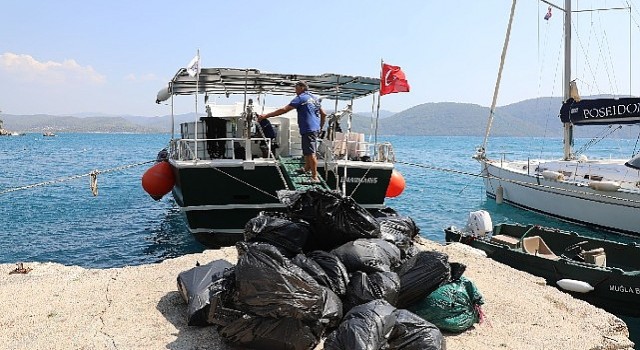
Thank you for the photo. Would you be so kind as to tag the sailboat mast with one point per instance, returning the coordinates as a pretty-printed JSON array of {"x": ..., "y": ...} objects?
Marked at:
[
  {"x": 497, "y": 86},
  {"x": 568, "y": 127}
]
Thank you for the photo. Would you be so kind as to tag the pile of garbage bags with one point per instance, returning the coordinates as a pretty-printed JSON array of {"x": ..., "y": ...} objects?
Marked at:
[{"x": 328, "y": 268}]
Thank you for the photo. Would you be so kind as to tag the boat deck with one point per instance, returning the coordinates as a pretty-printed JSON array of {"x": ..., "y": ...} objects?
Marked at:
[{"x": 300, "y": 181}]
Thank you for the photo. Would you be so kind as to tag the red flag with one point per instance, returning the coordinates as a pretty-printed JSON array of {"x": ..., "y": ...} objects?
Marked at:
[{"x": 392, "y": 80}]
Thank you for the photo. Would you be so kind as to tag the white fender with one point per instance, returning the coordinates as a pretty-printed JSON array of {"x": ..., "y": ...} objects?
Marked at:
[
  {"x": 610, "y": 186},
  {"x": 553, "y": 175},
  {"x": 163, "y": 95},
  {"x": 499, "y": 195},
  {"x": 575, "y": 285}
]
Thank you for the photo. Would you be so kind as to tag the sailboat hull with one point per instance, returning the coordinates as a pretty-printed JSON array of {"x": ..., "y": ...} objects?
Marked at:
[{"x": 569, "y": 199}]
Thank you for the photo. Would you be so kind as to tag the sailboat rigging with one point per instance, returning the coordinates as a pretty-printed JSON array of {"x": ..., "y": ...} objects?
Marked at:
[{"x": 603, "y": 194}]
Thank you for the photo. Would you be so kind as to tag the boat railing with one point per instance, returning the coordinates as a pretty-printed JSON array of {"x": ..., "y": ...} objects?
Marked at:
[
  {"x": 357, "y": 149},
  {"x": 385, "y": 153},
  {"x": 197, "y": 149}
]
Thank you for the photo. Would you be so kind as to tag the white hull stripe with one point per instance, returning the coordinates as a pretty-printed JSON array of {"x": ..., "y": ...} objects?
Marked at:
[
  {"x": 224, "y": 230},
  {"x": 257, "y": 206},
  {"x": 232, "y": 206}
]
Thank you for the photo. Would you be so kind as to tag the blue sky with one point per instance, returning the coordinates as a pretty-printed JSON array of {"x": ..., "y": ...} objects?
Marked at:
[{"x": 69, "y": 57}]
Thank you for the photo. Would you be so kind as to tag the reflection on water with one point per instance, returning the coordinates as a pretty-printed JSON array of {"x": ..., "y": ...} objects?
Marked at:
[{"x": 171, "y": 238}]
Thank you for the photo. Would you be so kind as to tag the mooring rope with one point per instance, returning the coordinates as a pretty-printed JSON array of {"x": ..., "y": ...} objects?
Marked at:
[
  {"x": 361, "y": 179},
  {"x": 427, "y": 166},
  {"x": 522, "y": 183},
  {"x": 244, "y": 182},
  {"x": 93, "y": 178}
]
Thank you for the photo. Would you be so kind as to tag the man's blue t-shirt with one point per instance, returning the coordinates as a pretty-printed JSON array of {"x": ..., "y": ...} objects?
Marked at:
[{"x": 308, "y": 108}]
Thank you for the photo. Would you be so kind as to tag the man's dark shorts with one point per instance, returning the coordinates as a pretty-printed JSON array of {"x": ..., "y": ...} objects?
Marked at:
[{"x": 309, "y": 143}]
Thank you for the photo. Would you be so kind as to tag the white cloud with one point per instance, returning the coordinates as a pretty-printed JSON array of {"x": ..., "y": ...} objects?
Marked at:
[
  {"x": 141, "y": 77},
  {"x": 26, "y": 68}
]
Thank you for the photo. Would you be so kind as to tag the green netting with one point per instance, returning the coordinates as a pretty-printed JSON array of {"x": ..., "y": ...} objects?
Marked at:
[{"x": 452, "y": 307}]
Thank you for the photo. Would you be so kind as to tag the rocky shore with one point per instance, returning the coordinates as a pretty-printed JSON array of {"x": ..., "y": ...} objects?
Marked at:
[{"x": 68, "y": 307}]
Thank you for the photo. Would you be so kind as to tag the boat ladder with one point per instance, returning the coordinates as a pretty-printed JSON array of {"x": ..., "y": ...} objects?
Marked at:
[{"x": 300, "y": 180}]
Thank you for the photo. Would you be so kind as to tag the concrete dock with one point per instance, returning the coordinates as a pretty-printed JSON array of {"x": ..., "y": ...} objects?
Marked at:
[{"x": 68, "y": 307}]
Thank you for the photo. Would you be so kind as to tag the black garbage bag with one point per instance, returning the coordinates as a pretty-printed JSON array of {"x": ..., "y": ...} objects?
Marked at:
[
  {"x": 334, "y": 268},
  {"x": 399, "y": 230},
  {"x": 399, "y": 225},
  {"x": 365, "y": 327},
  {"x": 368, "y": 255},
  {"x": 222, "y": 308},
  {"x": 336, "y": 219},
  {"x": 267, "y": 129},
  {"x": 312, "y": 268},
  {"x": 194, "y": 284},
  {"x": 384, "y": 212},
  {"x": 457, "y": 269},
  {"x": 261, "y": 333},
  {"x": 422, "y": 274},
  {"x": 364, "y": 288},
  {"x": 269, "y": 285},
  {"x": 289, "y": 236},
  {"x": 412, "y": 332}
]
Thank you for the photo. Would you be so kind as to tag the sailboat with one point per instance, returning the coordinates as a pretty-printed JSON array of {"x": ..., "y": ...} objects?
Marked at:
[{"x": 600, "y": 194}]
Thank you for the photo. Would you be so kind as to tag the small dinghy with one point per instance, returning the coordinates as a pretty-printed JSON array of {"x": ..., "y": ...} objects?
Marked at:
[{"x": 603, "y": 272}]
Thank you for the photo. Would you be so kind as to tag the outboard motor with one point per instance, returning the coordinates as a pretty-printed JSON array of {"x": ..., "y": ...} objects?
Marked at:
[{"x": 479, "y": 223}]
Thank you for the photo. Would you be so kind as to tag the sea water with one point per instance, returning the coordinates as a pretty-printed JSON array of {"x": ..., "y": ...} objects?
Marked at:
[{"x": 49, "y": 213}]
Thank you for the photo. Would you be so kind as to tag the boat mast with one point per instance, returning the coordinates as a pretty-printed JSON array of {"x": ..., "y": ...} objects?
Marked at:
[
  {"x": 497, "y": 86},
  {"x": 568, "y": 127}
]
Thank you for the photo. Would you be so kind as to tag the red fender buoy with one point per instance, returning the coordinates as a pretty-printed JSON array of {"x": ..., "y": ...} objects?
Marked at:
[
  {"x": 396, "y": 184},
  {"x": 158, "y": 180}
]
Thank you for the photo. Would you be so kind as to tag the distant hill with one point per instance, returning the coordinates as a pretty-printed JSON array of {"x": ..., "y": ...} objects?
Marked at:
[
  {"x": 534, "y": 117},
  {"x": 463, "y": 119},
  {"x": 43, "y": 122},
  {"x": 383, "y": 114},
  {"x": 455, "y": 119},
  {"x": 99, "y": 123},
  {"x": 529, "y": 118}
]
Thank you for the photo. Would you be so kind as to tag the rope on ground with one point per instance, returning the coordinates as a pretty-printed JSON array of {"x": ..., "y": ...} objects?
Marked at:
[
  {"x": 93, "y": 178},
  {"x": 521, "y": 183}
]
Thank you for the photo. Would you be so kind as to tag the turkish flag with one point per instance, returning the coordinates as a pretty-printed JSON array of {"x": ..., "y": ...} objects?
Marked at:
[{"x": 392, "y": 80}]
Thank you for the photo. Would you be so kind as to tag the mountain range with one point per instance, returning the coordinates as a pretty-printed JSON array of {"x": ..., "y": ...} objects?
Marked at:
[{"x": 534, "y": 117}]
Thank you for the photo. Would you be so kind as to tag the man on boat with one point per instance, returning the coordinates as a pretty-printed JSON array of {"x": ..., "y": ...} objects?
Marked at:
[{"x": 311, "y": 118}]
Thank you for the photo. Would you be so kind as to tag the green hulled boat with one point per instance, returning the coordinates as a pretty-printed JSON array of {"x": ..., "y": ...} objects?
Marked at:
[
  {"x": 227, "y": 168},
  {"x": 603, "y": 272}
]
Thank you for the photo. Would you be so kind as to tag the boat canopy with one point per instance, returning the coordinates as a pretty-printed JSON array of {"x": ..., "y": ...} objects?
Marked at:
[
  {"x": 229, "y": 81},
  {"x": 601, "y": 111}
]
